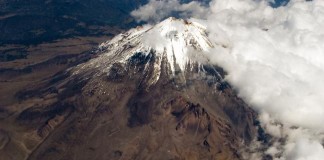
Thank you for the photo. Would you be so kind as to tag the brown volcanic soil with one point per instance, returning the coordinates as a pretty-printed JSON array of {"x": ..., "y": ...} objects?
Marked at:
[
  {"x": 41, "y": 62},
  {"x": 118, "y": 116}
]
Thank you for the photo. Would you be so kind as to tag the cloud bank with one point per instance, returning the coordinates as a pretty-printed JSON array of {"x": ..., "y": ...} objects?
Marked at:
[{"x": 274, "y": 58}]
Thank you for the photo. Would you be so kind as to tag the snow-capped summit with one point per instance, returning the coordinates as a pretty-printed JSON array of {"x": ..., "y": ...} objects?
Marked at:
[
  {"x": 179, "y": 42},
  {"x": 177, "y": 38}
]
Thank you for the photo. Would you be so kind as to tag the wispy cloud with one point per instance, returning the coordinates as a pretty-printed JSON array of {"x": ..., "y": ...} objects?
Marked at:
[{"x": 157, "y": 10}]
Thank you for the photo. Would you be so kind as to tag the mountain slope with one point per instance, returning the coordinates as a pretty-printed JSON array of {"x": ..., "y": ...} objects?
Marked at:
[{"x": 150, "y": 94}]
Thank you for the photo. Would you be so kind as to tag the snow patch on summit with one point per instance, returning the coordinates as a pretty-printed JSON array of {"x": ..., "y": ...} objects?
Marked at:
[
  {"x": 176, "y": 38},
  {"x": 173, "y": 38}
]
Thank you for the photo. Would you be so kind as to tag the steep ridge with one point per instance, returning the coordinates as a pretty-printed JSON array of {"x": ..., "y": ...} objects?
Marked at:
[{"x": 149, "y": 94}]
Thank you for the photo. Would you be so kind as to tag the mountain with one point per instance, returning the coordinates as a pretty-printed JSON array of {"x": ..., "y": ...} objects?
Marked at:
[{"x": 149, "y": 93}]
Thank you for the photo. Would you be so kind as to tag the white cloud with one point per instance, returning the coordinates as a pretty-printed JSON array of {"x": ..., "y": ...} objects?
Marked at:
[
  {"x": 276, "y": 62},
  {"x": 304, "y": 149},
  {"x": 281, "y": 69},
  {"x": 157, "y": 10}
]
